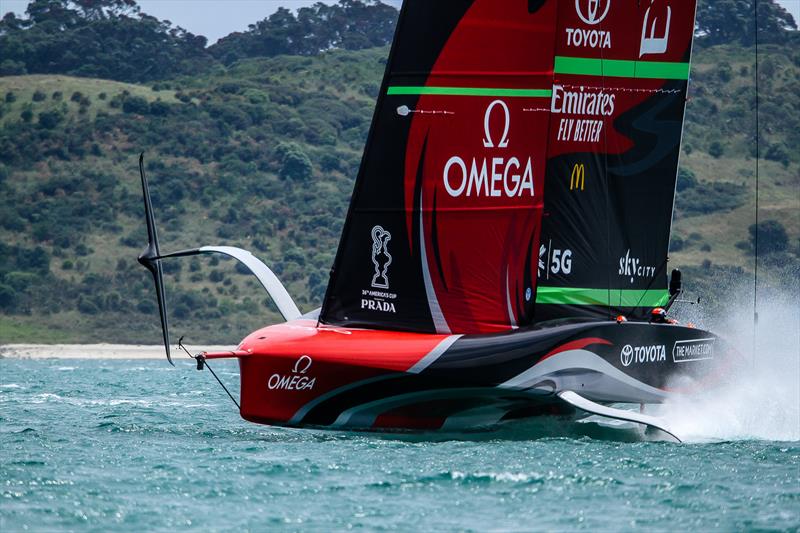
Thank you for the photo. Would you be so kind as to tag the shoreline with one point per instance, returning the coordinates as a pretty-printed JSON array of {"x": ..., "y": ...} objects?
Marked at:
[{"x": 97, "y": 351}]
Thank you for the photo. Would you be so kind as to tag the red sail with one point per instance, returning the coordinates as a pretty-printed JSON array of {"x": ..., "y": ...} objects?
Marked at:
[
  {"x": 443, "y": 227},
  {"x": 479, "y": 136}
]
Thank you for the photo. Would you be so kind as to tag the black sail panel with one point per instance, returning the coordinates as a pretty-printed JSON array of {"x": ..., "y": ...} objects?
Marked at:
[
  {"x": 618, "y": 106},
  {"x": 378, "y": 197}
]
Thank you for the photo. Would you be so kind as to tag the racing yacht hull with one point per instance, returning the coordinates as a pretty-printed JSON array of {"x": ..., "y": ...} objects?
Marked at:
[{"x": 300, "y": 374}]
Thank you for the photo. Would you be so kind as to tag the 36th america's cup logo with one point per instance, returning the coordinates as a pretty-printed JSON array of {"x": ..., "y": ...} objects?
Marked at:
[
  {"x": 378, "y": 297},
  {"x": 381, "y": 257}
]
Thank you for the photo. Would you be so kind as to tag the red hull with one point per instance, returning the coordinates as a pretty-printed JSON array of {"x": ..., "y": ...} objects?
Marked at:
[{"x": 303, "y": 375}]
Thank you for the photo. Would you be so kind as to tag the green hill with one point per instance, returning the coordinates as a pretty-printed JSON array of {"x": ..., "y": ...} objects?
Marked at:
[{"x": 262, "y": 154}]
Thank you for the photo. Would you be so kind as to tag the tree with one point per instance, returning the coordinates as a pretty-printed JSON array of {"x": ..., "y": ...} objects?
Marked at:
[
  {"x": 295, "y": 164},
  {"x": 350, "y": 24},
  {"x": 49, "y": 119},
  {"x": 100, "y": 38},
  {"x": 136, "y": 104},
  {"x": 8, "y": 297},
  {"x": 728, "y": 21}
]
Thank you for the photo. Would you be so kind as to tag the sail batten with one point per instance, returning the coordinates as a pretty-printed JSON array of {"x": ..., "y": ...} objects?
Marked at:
[
  {"x": 469, "y": 91},
  {"x": 620, "y": 68}
]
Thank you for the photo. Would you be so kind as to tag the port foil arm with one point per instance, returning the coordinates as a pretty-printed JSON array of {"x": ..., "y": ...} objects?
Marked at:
[{"x": 267, "y": 278}]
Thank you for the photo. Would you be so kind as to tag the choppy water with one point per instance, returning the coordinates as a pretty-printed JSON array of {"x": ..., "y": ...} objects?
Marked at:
[{"x": 102, "y": 445}]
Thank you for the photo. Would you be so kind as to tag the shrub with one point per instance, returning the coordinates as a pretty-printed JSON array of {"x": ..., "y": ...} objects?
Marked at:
[
  {"x": 11, "y": 97},
  {"x": 26, "y": 115},
  {"x": 20, "y": 281},
  {"x": 87, "y": 307},
  {"x": 146, "y": 306},
  {"x": 8, "y": 297},
  {"x": 686, "y": 179},
  {"x": 57, "y": 95},
  {"x": 676, "y": 244},
  {"x": 777, "y": 152},
  {"x": 771, "y": 236},
  {"x": 724, "y": 72},
  {"x": 49, "y": 119},
  {"x": 77, "y": 96},
  {"x": 159, "y": 108},
  {"x": 136, "y": 105},
  {"x": 706, "y": 197},
  {"x": 39, "y": 96},
  {"x": 9, "y": 67},
  {"x": 716, "y": 150},
  {"x": 329, "y": 162}
]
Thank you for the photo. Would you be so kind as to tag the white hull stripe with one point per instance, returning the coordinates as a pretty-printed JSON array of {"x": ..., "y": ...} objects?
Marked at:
[
  {"x": 590, "y": 375},
  {"x": 433, "y": 355}
]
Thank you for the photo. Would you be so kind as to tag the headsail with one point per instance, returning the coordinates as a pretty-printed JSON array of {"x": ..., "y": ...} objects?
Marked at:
[
  {"x": 620, "y": 80},
  {"x": 482, "y": 100}
]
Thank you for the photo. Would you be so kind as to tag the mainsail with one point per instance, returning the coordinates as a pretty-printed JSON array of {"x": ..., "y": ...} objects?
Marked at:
[{"x": 491, "y": 115}]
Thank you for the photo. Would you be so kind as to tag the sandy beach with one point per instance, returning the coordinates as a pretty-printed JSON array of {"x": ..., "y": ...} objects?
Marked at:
[{"x": 97, "y": 351}]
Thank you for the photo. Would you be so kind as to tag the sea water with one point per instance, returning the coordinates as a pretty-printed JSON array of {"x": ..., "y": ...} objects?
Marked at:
[{"x": 96, "y": 445}]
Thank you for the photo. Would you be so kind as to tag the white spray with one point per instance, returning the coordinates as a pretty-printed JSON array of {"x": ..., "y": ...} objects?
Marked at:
[{"x": 760, "y": 402}]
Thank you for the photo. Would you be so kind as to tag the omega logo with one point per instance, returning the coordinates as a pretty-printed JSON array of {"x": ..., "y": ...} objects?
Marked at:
[
  {"x": 302, "y": 365},
  {"x": 485, "y": 176},
  {"x": 487, "y": 141}
]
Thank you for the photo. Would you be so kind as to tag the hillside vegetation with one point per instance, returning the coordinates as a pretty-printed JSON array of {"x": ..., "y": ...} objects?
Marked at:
[{"x": 262, "y": 154}]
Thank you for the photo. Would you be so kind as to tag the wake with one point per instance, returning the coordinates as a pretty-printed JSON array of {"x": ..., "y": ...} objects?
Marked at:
[{"x": 761, "y": 401}]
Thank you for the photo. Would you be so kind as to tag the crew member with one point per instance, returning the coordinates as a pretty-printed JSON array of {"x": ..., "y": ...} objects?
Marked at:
[{"x": 659, "y": 316}]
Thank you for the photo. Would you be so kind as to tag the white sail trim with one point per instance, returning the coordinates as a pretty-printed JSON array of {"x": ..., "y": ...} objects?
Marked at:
[{"x": 439, "y": 321}]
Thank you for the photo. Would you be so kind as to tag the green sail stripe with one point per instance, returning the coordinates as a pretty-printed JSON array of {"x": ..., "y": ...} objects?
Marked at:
[
  {"x": 604, "y": 297},
  {"x": 468, "y": 91},
  {"x": 617, "y": 68}
]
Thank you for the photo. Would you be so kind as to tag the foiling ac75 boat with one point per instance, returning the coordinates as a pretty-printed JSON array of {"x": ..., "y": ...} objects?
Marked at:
[{"x": 507, "y": 237}]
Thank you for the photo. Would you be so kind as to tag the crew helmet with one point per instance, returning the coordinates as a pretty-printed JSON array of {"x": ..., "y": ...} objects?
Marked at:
[{"x": 658, "y": 313}]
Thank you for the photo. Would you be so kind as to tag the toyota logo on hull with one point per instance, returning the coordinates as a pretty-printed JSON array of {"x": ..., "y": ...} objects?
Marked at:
[
  {"x": 642, "y": 354},
  {"x": 590, "y": 14},
  {"x": 626, "y": 356}
]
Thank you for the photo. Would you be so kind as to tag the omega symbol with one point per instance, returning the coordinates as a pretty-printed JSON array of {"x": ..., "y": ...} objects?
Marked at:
[
  {"x": 302, "y": 365},
  {"x": 487, "y": 141}
]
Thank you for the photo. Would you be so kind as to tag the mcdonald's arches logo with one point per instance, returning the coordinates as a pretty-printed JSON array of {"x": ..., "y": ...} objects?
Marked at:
[{"x": 578, "y": 178}]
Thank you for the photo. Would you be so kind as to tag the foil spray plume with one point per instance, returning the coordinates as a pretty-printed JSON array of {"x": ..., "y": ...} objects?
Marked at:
[{"x": 760, "y": 400}]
